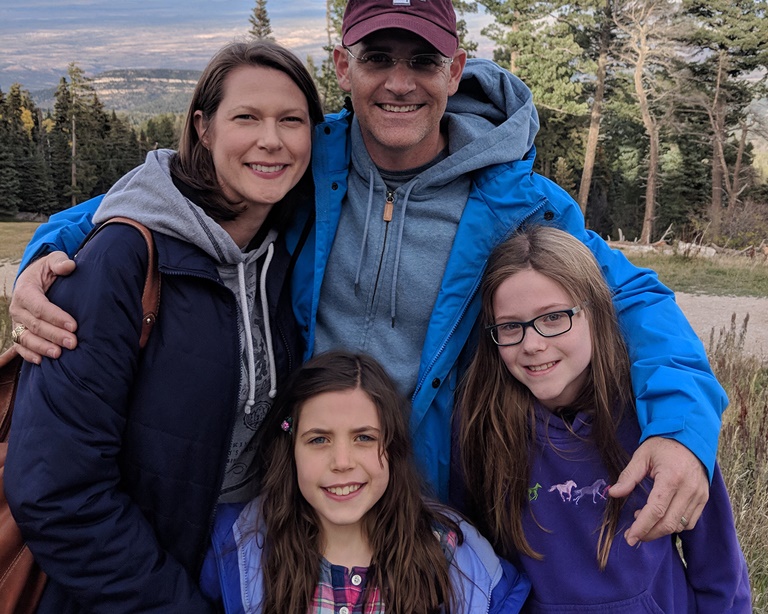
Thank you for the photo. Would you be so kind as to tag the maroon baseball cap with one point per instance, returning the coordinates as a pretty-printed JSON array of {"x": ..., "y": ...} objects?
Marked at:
[{"x": 433, "y": 20}]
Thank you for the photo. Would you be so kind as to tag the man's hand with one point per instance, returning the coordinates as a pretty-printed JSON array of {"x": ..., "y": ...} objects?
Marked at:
[
  {"x": 48, "y": 328},
  {"x": 680, "y": 489}
]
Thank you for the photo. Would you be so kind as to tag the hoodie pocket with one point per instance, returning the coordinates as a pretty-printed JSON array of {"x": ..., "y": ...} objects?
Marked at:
[{"x": 644, "y": 603}]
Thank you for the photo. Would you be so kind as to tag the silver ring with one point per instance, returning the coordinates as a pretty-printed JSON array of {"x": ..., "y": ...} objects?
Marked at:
[
  {"x": 683, "y": 521},
  {"x": 16, "y": 333}
]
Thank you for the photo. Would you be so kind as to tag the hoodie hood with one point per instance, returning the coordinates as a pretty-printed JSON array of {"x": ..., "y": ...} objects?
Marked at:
[
  {"x": 491, "y": 119},
  {"x": 148, "y": 195}
]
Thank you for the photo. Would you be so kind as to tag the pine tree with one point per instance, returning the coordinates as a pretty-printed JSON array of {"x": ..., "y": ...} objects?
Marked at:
[
  {"x": 462, "y": 7},
  {"x": 60, "y": 148},
  {"x": 10, "y": 185},
  {"x": 331, "y": 95},
  {"x": 540, "y": 42},
  {"x": 22, "y": 133},
  {"x": 647, "y": 29},
  {"x": 259, "y": 20},
  {"x": 81, "y": 147},
  {"x": 728, "y": 41},
  {"x": 161, "y": 132}
]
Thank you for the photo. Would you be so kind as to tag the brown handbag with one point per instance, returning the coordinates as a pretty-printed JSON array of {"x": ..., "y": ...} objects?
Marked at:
[{"x": 21, "y": 579}]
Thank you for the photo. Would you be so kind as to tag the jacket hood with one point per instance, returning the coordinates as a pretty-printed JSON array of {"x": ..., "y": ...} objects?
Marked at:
[{"x": 148, "y": 195}]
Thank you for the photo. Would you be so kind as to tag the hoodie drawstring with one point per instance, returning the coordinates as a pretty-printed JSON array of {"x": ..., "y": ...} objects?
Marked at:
[
  {"x": 248, "y": 339},
  {"x": 249, "y": 334},
  {"x": 267, "y": 326},
  {"x": 365, "y": 230}
]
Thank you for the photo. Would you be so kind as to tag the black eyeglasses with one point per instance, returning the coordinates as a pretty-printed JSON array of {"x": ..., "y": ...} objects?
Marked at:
[
  {"x": 381, "y": 61},
  {"x": 547, "y": 325}
]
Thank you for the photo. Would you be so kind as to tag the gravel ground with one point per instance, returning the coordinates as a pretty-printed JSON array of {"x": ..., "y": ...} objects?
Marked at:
[
  {"x": 706, "y": 312},
  {"x": 703, "y": 311}
]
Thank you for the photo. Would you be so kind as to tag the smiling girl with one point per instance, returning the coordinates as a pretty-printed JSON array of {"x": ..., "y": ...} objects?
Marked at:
[
  {"x": 340, "y": 525},
  {"x": 547, "y": 423}
]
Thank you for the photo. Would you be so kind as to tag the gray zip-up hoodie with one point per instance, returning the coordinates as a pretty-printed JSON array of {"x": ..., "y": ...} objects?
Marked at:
[
  {"x": 383, "y": 278},
  {"x": 147, "y": 194}
]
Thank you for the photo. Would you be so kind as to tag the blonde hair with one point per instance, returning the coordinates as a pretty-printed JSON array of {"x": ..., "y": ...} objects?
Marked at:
[{"x": 497, "y": 419}]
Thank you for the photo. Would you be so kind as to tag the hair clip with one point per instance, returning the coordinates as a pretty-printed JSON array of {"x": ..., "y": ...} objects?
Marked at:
[{"x": 287, "y": 425}]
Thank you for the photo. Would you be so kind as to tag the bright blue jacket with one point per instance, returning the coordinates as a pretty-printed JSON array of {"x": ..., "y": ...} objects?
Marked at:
[
  {"x": 232, "y": 570},
  {"x": 677, "y": 394}
]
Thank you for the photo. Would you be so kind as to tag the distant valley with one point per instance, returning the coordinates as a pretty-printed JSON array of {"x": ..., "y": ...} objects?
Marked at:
[{"x": 139, "y": 93}]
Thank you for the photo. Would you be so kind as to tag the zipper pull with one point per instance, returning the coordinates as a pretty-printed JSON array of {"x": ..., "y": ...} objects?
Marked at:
[{"x": 389, "y": 206}]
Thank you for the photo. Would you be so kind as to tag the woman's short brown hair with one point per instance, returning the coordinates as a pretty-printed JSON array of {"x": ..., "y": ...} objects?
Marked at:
[{"x": 193, "y": 164}]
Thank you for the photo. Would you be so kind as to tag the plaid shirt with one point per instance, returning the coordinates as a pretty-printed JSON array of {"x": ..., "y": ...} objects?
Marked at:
[{"x": 340, "y": 590}]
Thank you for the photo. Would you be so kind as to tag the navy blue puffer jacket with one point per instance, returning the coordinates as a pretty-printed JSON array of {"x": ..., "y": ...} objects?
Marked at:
[{"x": 117, "y": 455}]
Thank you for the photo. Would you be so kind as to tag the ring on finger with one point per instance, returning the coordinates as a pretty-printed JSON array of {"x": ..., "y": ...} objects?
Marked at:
[
  {"x": 16, "y": 333},
  {"x": 683, "y": 521}
]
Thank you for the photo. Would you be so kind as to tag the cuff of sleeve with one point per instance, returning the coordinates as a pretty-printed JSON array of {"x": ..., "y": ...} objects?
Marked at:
[{"x": 674, "y": 428}]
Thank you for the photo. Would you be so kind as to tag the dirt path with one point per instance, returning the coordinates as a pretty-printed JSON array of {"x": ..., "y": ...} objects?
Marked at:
[{"x": 703, "y": 311}]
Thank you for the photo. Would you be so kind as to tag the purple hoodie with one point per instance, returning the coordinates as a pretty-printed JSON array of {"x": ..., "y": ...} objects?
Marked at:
[{"x": 567, "y": 499}]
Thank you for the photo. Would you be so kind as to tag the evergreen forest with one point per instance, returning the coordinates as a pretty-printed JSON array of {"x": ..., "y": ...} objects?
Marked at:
[{"x": 653, "y": 115}]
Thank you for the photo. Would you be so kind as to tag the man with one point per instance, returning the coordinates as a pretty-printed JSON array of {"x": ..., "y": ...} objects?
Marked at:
[{"x": 413, "y": 191}]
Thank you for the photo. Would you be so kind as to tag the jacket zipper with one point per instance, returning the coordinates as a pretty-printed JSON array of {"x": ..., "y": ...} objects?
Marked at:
[
  {"x": 389, "y": 209},
  {"x": 464, "y": 309}
]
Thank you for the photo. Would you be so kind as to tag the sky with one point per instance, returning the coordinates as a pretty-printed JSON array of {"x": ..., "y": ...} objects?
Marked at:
[{"x": 39, "y": 38}]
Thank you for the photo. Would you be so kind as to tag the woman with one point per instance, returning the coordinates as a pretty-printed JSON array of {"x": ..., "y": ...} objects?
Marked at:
[{"x": 118, "y": 457}]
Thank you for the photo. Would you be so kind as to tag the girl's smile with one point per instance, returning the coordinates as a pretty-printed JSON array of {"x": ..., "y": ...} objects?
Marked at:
[{"x": 343, "y": 491}]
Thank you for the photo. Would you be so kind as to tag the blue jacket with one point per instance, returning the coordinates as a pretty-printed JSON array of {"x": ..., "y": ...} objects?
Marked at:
[
  {"x": 113, "y": 474},
  {"x": 231, "y": 573},
  {"x": 677, "y": 394}
]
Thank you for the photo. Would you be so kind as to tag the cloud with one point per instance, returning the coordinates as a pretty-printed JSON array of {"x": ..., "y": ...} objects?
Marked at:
[{"x": 39, "y": 38}]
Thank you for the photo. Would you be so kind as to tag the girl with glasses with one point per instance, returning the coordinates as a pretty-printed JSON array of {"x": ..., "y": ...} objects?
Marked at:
[{"x": 547, "y": 423}]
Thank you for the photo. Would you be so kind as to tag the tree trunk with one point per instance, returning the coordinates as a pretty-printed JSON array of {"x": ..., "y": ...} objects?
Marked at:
[
  {"x": 653, "y": 159},
  {"x": 736, "y": 188},
  {"x": 73, "y": 178},
  {"x": 719, "y": 165},
  {"x": 596, "y": 112}
]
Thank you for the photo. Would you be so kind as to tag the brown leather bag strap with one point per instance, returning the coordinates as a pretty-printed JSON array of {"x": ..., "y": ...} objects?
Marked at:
[
  {"x": 10, "y": 367},
  {"x": 150, "y": 298}
]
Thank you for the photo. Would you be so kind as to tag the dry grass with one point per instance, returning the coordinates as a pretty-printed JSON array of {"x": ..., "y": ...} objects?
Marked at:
[
  {"x": 743, "y": 452},
  {"x": 14, "y": 237},
  {"x": 721, "y": 275}
]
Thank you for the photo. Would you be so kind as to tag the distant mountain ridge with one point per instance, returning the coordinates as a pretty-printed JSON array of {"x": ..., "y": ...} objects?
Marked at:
[{"x": 137, "y": 92}]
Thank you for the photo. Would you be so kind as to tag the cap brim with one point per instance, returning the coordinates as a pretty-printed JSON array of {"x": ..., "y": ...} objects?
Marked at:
[{"x": 442, "y": 40}]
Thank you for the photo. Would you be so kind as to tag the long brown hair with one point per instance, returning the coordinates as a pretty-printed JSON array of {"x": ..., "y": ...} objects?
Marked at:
[
  {"x": 408, "y": 564},
  {"x": 497, "y": 418},
  {"x": 193, "y": 164}
]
